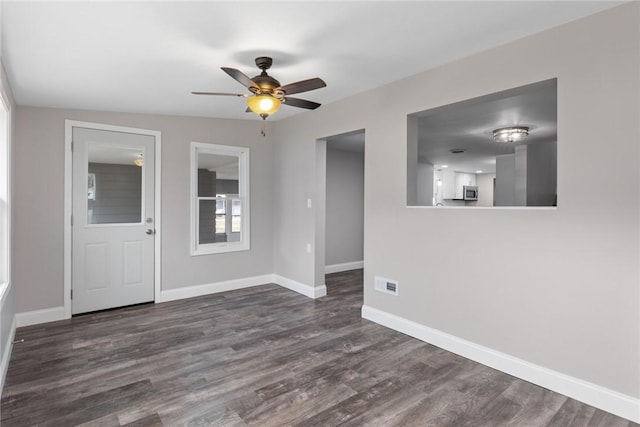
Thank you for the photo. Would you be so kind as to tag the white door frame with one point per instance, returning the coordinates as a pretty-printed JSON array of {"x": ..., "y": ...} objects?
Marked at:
[{"x": 68, "y": 202}]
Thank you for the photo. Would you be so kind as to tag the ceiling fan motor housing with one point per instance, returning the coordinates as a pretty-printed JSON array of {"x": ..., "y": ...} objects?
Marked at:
[{"x": 266, "y": 83}]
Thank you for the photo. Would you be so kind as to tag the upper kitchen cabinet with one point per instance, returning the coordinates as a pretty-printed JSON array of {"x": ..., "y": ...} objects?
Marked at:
[{"x": 504, "y": 143}]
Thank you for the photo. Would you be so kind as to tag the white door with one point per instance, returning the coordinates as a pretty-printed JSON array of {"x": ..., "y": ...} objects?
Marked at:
[{"x": 113, "y": 219}]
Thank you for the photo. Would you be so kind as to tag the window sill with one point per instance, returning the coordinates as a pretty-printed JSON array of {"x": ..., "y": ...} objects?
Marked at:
[{"x": 220, "y": 248}]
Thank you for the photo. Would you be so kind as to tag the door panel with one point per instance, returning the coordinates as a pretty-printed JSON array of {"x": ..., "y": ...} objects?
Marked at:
[
  {"x": 113, "y": 219},
  {"x": 132, "y": 261},
  {"x": 96, "y": 260}
]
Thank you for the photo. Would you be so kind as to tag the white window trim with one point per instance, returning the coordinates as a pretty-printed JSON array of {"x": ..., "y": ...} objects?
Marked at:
[
  {"x": 243, "y": 191},
  {"x": 5, "y": 216}
]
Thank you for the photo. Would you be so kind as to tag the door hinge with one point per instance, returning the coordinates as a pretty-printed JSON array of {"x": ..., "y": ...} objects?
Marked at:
[
  {"x": 72, "y": 220},
  {"x": 72, "y": 146},
  {"x": 71, "y": 293}
]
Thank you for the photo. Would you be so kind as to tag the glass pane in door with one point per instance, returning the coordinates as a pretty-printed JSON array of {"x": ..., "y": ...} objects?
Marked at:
[{"x": 114, "y": 184}]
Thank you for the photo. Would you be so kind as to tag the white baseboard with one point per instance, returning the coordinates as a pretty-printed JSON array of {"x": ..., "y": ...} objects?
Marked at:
[
  {"x": 301, "y": 288},
  {"x": 346, "y": 266},
  {"x": 212, "y": 288},
  {"x": 39, "y": 316},
  {"x": 592, "y": 394},
  {"x": 57, "y": 313},
  {"x": 230, "y": 285},
  {"x": 6, "y": 355}
]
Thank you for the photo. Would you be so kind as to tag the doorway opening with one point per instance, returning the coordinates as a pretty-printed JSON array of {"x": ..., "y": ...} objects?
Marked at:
[{"x": 340, "y": 230}]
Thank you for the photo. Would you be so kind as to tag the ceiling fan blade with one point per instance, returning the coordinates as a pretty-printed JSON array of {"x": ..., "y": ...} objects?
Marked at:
[
  {"x": 303, "y": 86},
  {"x": 241, "y": 77},
  {"x": 220, "y": 94},
  {"x": 301, "y": 103}
]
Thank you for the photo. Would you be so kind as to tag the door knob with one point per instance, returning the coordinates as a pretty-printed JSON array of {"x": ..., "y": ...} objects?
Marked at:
[{"x": 150, "y": 231}]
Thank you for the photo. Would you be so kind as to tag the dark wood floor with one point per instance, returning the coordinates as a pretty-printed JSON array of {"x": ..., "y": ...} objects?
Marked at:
[{"x": 262, "y": 356}]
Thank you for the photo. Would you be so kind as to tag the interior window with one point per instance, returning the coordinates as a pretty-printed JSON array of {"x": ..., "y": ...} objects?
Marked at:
[
  {"x": 498, "y": 149},
  {"x": 220, "y": 200}
]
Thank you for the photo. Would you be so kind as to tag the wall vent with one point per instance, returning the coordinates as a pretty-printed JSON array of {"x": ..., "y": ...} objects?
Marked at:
[{"x": 388, "y": 286}]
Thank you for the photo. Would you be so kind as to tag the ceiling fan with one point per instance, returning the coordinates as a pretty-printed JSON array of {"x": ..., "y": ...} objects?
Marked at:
[{"x": 266, "y": 92}]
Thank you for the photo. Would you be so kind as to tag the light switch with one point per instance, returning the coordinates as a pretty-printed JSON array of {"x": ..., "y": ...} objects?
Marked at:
[{"x": 309, "y": 203}]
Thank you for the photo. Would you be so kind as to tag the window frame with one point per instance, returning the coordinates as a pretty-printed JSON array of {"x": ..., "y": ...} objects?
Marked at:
[
  {"x": 244, "y": 244},
  {"x": 5, "y": 195}
]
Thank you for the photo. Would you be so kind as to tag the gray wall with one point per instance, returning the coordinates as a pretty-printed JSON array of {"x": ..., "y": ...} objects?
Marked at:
[
  {"x": 520, "y": 159},
  {"x": 425, "y": 184},
  {"x": 541, "y": 174},
  {"x": 528, "y": 177},
  {"x": 227, "y": 186},
  {"x": 506, "y": 180},
  {"x": 344, "y": 207},
  {"x": 556, "y": 287},
  {"x": 39, "y": 145},
  {"x": 485, "y": 189}
]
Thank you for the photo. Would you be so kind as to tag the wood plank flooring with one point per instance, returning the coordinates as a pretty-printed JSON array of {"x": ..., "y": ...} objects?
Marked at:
[{"x": 262, "y": 356}]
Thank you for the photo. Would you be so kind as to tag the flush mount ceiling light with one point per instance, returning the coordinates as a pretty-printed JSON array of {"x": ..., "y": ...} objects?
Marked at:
[{"x": 510, "y": 134}]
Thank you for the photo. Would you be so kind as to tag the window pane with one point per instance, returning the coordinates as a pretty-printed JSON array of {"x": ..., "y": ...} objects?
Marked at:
[
  {"x": 221, "y": 227},
  {"x": 235, "y": 207},
  {"x": 207, "y": 223},
  {"x": 217, "y": 174},
  {"x": 4, "y": 193},
  {"x": 236, "y": 222},
  {"x": 91, "y": 193},
  {"x": 114, "y": 185},
  {"x": 221, "y": 206},
  {"x": 220, "y": 182}
]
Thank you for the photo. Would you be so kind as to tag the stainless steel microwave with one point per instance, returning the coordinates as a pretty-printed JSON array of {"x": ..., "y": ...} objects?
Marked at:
[{"x": 470, "y": 192}]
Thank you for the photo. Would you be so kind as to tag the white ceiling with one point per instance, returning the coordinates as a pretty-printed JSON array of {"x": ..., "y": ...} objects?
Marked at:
[{"x": 148, "y": 56}]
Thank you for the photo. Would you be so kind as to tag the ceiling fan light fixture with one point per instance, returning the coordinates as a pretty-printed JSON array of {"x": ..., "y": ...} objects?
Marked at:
[
  {"x": 511, "y": 134},
  {"x": 263, "y": 105},
  {"x": 266, "y": 92}
]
